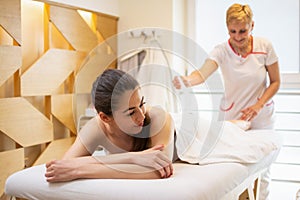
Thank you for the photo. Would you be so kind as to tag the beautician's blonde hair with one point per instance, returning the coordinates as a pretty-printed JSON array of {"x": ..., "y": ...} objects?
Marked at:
[{"x": 240, "y": 13}]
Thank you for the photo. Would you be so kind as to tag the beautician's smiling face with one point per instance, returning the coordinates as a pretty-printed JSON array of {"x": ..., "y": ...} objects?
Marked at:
[
  {"x": 239, "y": 33},
  {"x": 131, "y": 112}
]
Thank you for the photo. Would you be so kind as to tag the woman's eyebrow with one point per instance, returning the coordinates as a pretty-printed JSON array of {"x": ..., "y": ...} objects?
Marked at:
[{"x": 131, "y": 108}]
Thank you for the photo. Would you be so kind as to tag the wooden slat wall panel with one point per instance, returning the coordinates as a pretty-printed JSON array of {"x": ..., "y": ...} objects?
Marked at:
[
  {"x": 10, "y": 61},
  {"x": 80, "y": 103},
  {"x": 92, "y": 67},
  {"x": 55, "y": 150},
  {"x": 75, "y": 30},
  {"x": 62, "y": 109},
  {"x": 49, "y": 81},
  {"x": 22, "y": 122},
  {"x": 49, "y": 72},
  {"x": 10, "y": 18},
  {"x": 10, "y": 162},
  {"x": 107, "y": 27}
]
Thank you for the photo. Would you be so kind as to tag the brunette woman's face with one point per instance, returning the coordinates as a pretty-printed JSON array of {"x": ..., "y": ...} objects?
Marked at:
[
  {"x": 130, "y": 114},
  {"x": 239, "y": 33}
]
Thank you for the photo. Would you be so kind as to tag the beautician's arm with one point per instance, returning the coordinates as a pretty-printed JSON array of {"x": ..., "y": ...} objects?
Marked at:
[{"x": 197, "y": 76}]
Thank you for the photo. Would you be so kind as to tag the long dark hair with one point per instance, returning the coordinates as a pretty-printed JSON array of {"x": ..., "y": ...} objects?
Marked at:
[{"x": 106, "y": 92}]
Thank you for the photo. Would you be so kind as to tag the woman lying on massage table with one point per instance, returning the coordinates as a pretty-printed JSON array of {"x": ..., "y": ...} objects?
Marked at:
[{"x": 139, "y": 140}]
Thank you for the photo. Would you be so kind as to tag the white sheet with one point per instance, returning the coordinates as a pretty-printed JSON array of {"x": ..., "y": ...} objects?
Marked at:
[{"x": 201, "y": 142}]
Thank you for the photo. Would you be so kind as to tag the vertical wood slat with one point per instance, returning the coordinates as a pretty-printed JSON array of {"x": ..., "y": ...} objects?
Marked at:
[
  {"x": 48, "y": 106},
  {"x": 97, "y": 62},
  {"x": 55, "y": 150},
  {"x": 46, "y": 27},
  {"x": 107, "y": 26},
  {"x": 75, "y": 30},
  {"x": 10, "y": 61},
  {"x": 50, "y": 72},
  {"x": 10, "y": 162},
  {"x": 10, "y": 18},
  {"x": 62, "y": 109},
  {"x": 23, "y": 123},
  {"x": 17, "y": 84}
]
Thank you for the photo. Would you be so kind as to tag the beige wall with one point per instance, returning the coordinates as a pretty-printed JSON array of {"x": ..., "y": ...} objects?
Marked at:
[{"x": 146, "y": 13}]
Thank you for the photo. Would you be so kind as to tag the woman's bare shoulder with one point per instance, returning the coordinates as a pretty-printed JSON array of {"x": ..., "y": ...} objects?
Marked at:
[
  {"x": 156, "y": 113},
  {"x": 159, "y": 119}
]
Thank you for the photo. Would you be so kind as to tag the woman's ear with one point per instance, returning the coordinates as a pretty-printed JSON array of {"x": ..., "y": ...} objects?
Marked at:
[
  {"x": 252, "y": 25},
  {"x": 105, "y": 118}
]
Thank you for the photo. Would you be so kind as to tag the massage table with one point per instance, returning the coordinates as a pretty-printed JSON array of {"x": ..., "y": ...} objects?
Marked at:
[
  {"x": 220, "y": 181},
  {"x": 218, "y": 176}
]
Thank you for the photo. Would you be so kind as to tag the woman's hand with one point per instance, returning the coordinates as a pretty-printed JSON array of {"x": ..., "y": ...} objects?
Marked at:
[
  {"x": 249, "y": 113},
  {"x": 178, "y": 80},
  {"x": 62, "y": 170},
  {"x": 154, "y": 158}
]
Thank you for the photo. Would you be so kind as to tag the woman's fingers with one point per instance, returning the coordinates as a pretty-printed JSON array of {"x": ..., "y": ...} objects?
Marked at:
[
  {"x": 166, "y": 171},
  {"x": 165, "y": 167},
  {"x": 248, "y": 114},
  {"x": 49, "y": 174},
  {"x": 176, "y": 82},
  {"x": 48, "y": 164},
  {"x": 162, "y": 164},
  {"x": 155, "y": 158},
  {"x": 166, "y": 164}
]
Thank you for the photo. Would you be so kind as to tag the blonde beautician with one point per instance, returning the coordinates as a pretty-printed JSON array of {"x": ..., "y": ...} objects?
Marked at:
[{"x": 250, "y": 71}]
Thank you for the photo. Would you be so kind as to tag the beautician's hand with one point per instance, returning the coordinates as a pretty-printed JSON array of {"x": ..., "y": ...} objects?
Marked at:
[
  {"x": 177, "y": 82},
  {"x": 249, "y": 113},
  {"x": 155, "y": 158},
  {"x": 61, "y": 170}
]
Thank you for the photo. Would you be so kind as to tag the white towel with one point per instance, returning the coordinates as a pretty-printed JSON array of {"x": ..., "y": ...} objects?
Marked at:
[{"x": 200, "y": 141}]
